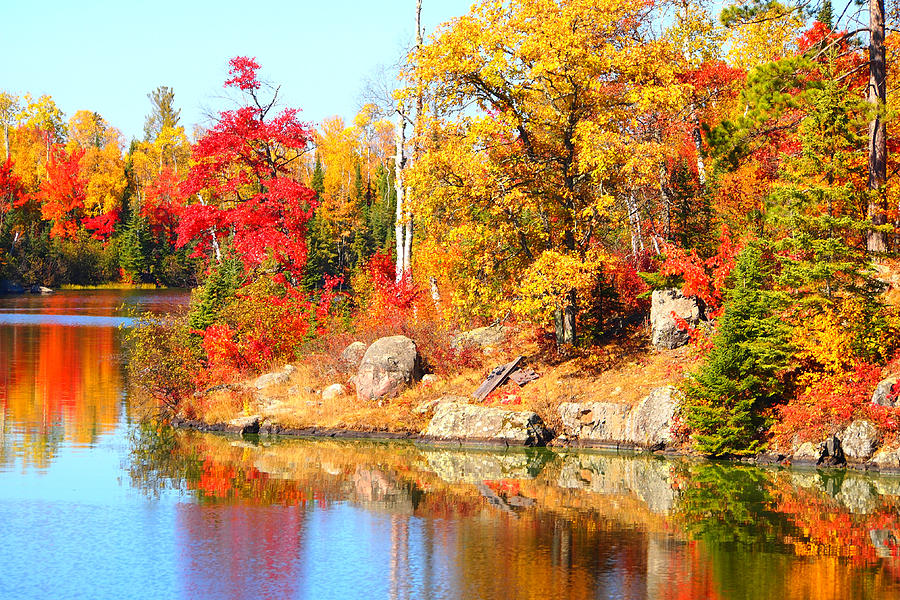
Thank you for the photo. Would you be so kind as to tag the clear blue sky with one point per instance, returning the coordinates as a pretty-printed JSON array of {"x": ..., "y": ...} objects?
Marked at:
[{"x": 105, "y": 56}]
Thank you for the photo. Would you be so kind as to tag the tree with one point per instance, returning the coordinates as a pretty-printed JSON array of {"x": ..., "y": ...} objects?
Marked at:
[
  {"x": 540, "y": 113},
  {"x": 163, "y": 113},
  {"x": 241, "y": 179},
  {"x": 63, "y": 193},
  {"x": 9, "y": 109},
  {"x": 739, "y": 378}
]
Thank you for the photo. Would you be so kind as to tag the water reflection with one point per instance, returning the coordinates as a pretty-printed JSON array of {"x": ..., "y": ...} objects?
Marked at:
[
  {"x": 60, "y": 372},
  {"x": 326, "y": 519}
]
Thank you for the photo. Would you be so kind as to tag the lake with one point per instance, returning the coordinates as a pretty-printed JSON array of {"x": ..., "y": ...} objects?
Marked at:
[{"x": 93, "y": 505}]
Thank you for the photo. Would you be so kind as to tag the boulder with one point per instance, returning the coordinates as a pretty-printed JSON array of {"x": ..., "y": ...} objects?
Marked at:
[
  {"x": 483, "y": 337},
  {"x": 809, "y": 452},
  {"x": 275, "y": 378},
  {"x": 468, "y": 422},
  {"x": 429, "y": 379},
  {"x": 429, "y": 405},
  {"x": 388, "y": 365},
  {"x": 39, "y": 289},
  {"x": 883, "y": 396},
  {"x": 859, "y": 440},
  {"x": 594, "y": 421},
  {"x": 887, "y": 457},
  {"x": 665, "y": 306},
  {"x": 649, "y": 423},
  {"x": 353, "y": 354},
  {"x": 335, "y": 390},
  {"x": 243, "y": 425}
]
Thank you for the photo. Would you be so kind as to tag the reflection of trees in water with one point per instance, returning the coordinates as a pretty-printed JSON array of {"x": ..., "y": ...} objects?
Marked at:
[
  {"x": 59, "y": 384},
  {"x": 525, "y": 524}
]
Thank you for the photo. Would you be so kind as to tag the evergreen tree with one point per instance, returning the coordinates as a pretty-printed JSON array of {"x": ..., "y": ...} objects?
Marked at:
[
  {"x": 208, "y": 300},
  {"x": 725, "y": 398},
  {"x": 162, "y": 114},
  {"x": 135, "y": 247}
]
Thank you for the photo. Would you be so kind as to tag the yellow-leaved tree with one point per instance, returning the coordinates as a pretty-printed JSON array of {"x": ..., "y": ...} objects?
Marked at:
[{"x": 537, "y": 131}]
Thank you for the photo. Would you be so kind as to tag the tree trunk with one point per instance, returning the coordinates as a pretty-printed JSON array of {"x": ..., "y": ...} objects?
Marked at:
[
  {"x": 876, "y": 241},
  {"x": 634, "y": 223},
  {"x": 698, "y": 146},
  {"x": 400, "y": 185},
  {"x": 564, "y": 321}
]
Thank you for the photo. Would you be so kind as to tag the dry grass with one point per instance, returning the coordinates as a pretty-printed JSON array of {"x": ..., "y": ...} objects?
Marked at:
[{"x": 622, "y": 371}]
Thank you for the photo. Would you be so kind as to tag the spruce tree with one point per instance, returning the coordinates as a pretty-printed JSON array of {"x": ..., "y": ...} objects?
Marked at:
[{"x": 725, "y": 398}]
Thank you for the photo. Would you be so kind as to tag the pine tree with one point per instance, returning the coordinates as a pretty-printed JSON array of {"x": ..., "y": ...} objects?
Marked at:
[
  {"x": 208, "y": 300},
  {"x": 725, "y": 398},
  {"x": 135, "y": 248}
]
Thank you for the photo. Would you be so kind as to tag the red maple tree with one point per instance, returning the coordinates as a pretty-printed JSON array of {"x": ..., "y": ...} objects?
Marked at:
[
  {"x": 63, "y": 192},
  {"x": 242, "y": 183}
]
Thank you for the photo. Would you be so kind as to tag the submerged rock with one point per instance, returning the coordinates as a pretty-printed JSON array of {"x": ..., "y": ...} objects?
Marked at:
[
  {"x": 467, "y": 422},
  {"x": 666, "y": 305},
  {"x": 388, "y": 365}
]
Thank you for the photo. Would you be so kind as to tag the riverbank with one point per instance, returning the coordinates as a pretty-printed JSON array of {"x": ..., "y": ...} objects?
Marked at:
[{"x": 631, "y": 402}]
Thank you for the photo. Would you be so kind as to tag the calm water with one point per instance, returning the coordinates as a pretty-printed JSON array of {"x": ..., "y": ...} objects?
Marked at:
[{"x": 92, "y": 506}]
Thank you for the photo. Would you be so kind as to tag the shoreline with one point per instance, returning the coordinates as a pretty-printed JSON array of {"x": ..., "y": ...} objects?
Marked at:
[{"x": 496, "y": 444}]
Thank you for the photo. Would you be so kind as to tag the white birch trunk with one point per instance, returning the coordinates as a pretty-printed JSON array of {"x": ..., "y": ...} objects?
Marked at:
[{"x": 399, "y": 163}]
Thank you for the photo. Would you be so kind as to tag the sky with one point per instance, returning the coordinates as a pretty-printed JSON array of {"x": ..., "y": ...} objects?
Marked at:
[{"x": 106, "y": 56}]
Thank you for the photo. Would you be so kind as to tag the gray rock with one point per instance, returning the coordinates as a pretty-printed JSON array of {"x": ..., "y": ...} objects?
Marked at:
[
  {"x": 594, "y": 421},
  {"x": 807, "y": 451},
  {"x": 649, "y": 423},
  {"x": 275, "y": 378},
  {"x": 39, "y": 289},
  {"x": 887, "y": 457},
  {"x": 335, "y": 390},
  {"x": 859, "y": 440},
  {"x": 243, "y": 425},
  {"x": 353, "y": 354},
  {"x": 666, "y": 333},
  {"x": 387, "y": 366},
  {"x": 882, "y": 394},
  {"x": 457, "y": 421},
  {"x": 429, "y": 405},
  {"x": 429, "y": 379},
  {"x": 483, "y": 337}
]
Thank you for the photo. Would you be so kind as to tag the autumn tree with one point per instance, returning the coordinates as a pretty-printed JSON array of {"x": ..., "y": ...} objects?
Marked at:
[
  {"x": 241, "y": 179},
  {"x": 63, "y": 193},
  {"x": 163, "y": 114},
  {"x": 536, "y": 132}
]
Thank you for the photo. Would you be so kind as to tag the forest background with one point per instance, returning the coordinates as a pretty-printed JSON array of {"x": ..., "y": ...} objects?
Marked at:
[{"x": 537, "y": 163}]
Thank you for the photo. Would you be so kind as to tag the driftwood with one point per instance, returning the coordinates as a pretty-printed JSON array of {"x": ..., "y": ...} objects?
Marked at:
[{"x": 495, "y": 379}]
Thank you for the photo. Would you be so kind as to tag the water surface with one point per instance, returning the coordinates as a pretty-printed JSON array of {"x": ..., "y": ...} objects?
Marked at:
[{"x": 95, "y": 506}]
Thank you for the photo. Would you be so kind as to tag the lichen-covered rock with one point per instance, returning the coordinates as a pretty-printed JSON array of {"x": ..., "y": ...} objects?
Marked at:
[
  {"x": 483, "y": 337},
  {"x": 388, "y": 365},
  {"x": 428, "y": 406},
  {"x": 468, "y": 422},
  {"x": 335, "y": 390},
  {"x": 882, "y": 395},
  {"x": 666, "y": 332},
  {"x": 243, "y": 425},
  {"x": 649, "y": 423},
  {"x": 807, "y": 451},
  {"x": 353, "y": 354},
  {"x": 275, "y": 378},
  {"x": 594, "y": 421},
  {"x": 887, "y": 457},
  {"x": 859, "y": 440}
]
